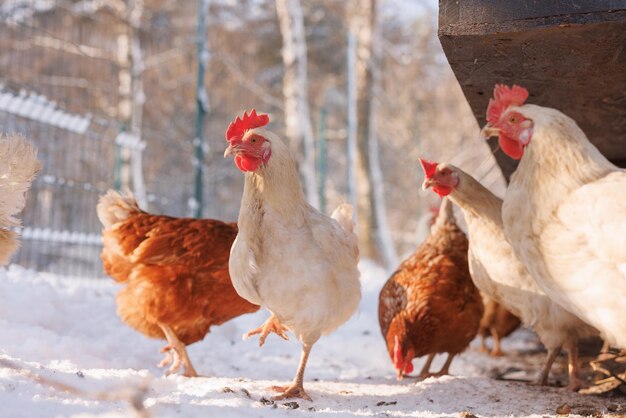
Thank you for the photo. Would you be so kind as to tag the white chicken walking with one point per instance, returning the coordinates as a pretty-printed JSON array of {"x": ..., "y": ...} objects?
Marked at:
[{"x": 288, "y": 257}]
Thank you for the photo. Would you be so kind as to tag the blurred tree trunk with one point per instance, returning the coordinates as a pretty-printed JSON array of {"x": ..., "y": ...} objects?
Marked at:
[
  {"x": 374, "y": 233},
  {"x": 124, "y": 106},
  {"x": 132, "y": 97},
  {"x": 295, "y": 90},
  {"x": 138, "y": 98}
]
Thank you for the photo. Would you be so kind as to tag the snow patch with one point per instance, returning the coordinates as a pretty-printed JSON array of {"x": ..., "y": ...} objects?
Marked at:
[{"x": 66, "y": 330}]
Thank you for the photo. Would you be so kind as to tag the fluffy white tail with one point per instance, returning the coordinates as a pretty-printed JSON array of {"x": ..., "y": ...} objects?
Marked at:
[
  {"x": 18, "y": 168},
  {"x": 115, "y": 207},
  {"x": 343, "y": 215}
]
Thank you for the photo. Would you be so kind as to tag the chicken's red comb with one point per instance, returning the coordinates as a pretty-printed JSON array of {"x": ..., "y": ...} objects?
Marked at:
[
  {"x": 503, "y": 97},
  {"x": 240, "y": 126},
  {"x": 429, "y": 167}
]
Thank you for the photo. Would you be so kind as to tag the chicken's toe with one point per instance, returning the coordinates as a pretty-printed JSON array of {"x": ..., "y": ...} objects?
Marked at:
[
  {"x": 167, "y": 359},
  {"x": 271, "y": 325},
  {"x": 171, "y": 357},
  {"x": 497, "y": 353},
  {"x": 291, "y": 391}
]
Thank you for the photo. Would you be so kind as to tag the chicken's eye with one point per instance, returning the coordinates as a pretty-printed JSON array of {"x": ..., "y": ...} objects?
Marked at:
[
  {"x": 513, "y": 119},
  {"x": 253, "y": 139}
]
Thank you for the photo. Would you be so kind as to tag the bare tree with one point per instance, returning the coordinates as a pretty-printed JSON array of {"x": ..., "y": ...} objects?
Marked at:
[
  {"x": 374, "y": 234},
  {"x": 295, "y": 90},
  {"x": 132, "y": 97}
]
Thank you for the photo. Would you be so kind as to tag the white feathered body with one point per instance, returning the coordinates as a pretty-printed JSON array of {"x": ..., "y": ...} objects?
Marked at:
[
  {"x": 18, "y": 168},
  {"x": 288, "y": 257},
  {"x": 497, "y": 272},
  {"x": 565, "y": 216}
]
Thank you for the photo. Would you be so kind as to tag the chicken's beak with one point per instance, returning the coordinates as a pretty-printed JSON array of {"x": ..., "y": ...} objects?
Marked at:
[
  {"x": 428, "y": 183},
  {"x": 230, "y": 151},
  {"x": 488, "y": 131},
  {"x": 399, "y": 374}
]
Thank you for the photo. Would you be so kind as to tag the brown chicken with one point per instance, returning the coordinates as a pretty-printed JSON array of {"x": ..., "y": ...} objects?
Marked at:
[
  {"x": 175, "y": 271},
  {"x": 430, "y": 305},
  {"x": 497, "y": 322}
]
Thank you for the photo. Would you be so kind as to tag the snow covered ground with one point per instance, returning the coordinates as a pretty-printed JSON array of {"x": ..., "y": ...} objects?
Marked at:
[{"x": 66, "y": 330}]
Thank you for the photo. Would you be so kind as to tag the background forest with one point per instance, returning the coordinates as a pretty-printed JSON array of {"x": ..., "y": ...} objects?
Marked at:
[{"x": 359, "y": 89}]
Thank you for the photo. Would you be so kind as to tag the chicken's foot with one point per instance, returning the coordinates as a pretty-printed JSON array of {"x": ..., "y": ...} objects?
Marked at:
[
  {"x": 175, "y": 353},
  {"x": 271, "y": 325},
  {"x": 296, "y": 389},
  {"x": 542, "y": 380}
]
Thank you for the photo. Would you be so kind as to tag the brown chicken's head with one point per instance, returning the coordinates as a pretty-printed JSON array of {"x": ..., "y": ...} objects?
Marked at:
[
  {"x": 250, "y": 148},
  {"x": 513, "y": 130},
  {"x": 403, "y": 362},
  {"x": 441, "y": 177}
]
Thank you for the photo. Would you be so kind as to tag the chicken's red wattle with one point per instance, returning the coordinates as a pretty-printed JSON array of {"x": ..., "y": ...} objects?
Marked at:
[{"x": 511, "y": 147}]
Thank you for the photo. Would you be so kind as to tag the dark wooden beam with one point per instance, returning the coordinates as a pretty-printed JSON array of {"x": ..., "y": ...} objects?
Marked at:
[{"x": 571, "y": 55}]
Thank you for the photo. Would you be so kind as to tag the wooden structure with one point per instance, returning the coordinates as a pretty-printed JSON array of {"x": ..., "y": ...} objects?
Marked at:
[{"x": 571, "y": 55}]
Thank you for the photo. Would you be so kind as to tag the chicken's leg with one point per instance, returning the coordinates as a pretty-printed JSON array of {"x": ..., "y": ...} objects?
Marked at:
[
  {"x": 176, "y": 353},
  {"x": 575, "y": 382},
  {"x": 497, "y": 351},
  {"x": 445, "y": 370},
  {"x": 271, "y": 325},
  {"x": 296, "y": 389},
  {"x": 424, "y": 372},
  {"x": 542, "y": 380},
  {"x": 483, "y": 344}
]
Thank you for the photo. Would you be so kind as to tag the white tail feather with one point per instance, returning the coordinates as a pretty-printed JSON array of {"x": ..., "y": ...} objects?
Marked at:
[
  {"x": 18, "y": 168},
  {"x": 343, "y": 215},
  {"x": 115, "y": 207}
]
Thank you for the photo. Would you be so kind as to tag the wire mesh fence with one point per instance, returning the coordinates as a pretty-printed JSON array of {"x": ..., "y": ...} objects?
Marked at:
[
  {"x": 60, "y": 86},
  {"x": 52, "y": 78},
  {"x": 61, "y": 233}
]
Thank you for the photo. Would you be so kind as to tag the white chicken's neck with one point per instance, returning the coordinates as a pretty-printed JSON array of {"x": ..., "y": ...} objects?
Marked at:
[
  {"x": 476, "y": 200},
  {"x": 559, "y": 157},
  {"x": 276, "y": 184}
]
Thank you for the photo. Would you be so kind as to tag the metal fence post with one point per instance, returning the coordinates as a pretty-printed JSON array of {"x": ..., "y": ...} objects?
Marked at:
[{"x": 202, "y": 102}]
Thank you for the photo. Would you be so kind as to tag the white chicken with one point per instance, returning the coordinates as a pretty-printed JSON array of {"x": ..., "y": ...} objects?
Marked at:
[
  {"x": 564, "y": 212},
  {"x": 497, "y": 272},
  {"x": 18, "y": 168},
  {"x": 288, "y": 257}
]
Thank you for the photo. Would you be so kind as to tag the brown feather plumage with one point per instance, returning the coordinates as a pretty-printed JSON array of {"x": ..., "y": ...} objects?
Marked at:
[
  {"x": 175, "y": 272},
  {"x": 497, "y": 319},
  {"x": 496, "y": 322},
  {"x": 430, "y": 303}
]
